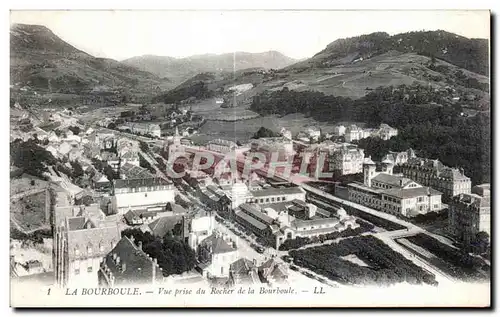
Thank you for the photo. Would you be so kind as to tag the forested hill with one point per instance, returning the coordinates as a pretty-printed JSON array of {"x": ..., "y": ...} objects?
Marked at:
[
  {"x": 470, "y": 54},
  {"x": 429, "y": 121}
]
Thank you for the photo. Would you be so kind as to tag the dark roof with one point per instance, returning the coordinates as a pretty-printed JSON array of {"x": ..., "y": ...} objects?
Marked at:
[
  {"x": 241, "y": 266},
  {"x": 101, "y": 241},
  {"x": 251, "y": 210},
  {"x": 218, "y": 244},
  {"x": 276, "y": 191},
  {"x": 259, "y": 225},
  {"x": 134, "y": 172},
  {"x": 392, "y": 179},
  {"x": 161, "y": 226},
  {"x": 140, "y": 182},
  {"x": 76, "y": 223},
  {"x": 410, "y": 192},
  {"x": 138, "y": 265},
  {"x": 299, "y": 202}
]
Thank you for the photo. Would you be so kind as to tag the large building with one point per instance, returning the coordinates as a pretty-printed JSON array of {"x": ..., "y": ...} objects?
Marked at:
[
  {"x": 276, "y": 149},
  {"x": 339, "y": 158},
  {"x": 128, "y": 264},
  {"x": 142, "y": 128},
  {"x": 201, "y": 227},
  {"x": 221, "y": 146},
  {"x": 393, "y": 194},
  {"x": 400, "y": 158},
  {"x": 353, "y": 132},
  {"x": 141, "y": 194},
  {"x": 449, "y": 181},
  {"x": 470, "y": 214},
  {"x": 215, "y": 254},
  {"x": 82, "y": 237}
]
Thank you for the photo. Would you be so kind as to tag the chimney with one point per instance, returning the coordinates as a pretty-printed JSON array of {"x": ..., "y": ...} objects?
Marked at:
[
  {"x": 132, "y": 238},
  {"x": 114, "y": 256},
  {"x": 117, "y": 260},
  {"x": 254, "y": 261},
  {"x": 139, "y": 244},
  {"x": 155, "y": 261},
  {"x": 124, "y": 267}
]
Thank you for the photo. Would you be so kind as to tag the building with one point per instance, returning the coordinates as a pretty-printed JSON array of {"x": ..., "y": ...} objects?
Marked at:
[
  {"x": 129, "y": 171},
  {"x": 215, "y": 254},
  {"x": 243, "y": 272},
  {"x": 393, "y": 194},
  {"x": 400, "y": 158},
  {"x": 339, "y": 130},
  {"x": 141, "y": 194},
  {"x": 128, "y": 264},
  {"x": 272, "y": 194},
  {"x": 385, "y": 132},
  {"x": 276, "y": 149},
  {"x": 347, "y": 159},
  {"x": 221, "y": 146},
  {"x": 273, "y": 272},
  {"x": 470, "y": 214},
  {"x": 130, "y": 157},
  {"x": 137, "y": 217},
  {"x": 449, "y": 181},
  {"x": 82, "y": 238},
  {"x": 353, "y": 133},
  {"x": 140, "y": 128},
  {"x": 201, "y": 227}
]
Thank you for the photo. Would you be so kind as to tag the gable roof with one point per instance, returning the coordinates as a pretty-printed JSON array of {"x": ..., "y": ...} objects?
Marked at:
[
  {"x": 411, "y": 192},
  {"x": 393, "y": 180},
  {"x": 241, "y": 266},
  {"x": 138, "y": 265},
  {"x": 161, "y": 226},
  {"x": 100, "y": 240},
  {"x": 140, "y": 182},
  {"x": 218, "y": 244}
]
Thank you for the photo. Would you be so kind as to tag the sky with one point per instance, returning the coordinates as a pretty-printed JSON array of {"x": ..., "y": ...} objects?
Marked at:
[{"x": 299, "y": 34}]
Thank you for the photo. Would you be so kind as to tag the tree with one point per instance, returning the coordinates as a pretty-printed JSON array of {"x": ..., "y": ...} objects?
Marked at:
[
  {"x": 264, "y": 133},
  {"x": 76, "y": 130},
  {"x": 77, "y": 169}
]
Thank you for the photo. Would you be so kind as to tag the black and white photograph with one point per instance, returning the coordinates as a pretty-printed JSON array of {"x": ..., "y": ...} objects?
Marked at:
[{"x": 250, "y": 158}]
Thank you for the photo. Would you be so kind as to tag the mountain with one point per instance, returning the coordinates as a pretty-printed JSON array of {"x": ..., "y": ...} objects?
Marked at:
[
  {"x": 470, "y": 54},
  {"x": 181, "y": 69},
  {"x": 44, "y": 62},
  {"x": 353, "y": 67}
]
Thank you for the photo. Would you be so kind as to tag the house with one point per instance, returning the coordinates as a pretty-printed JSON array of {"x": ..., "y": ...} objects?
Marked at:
[
  {"x": 272, "y": 272},
  {"x": 215, "y": 254},
  {"x": 128, "y": 264},
  {"x": 137, "y": 217},
  {"x": 243, "y": 271},
  {"x": 141, "y": 194}
]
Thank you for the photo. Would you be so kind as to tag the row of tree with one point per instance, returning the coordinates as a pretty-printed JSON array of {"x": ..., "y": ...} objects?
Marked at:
[{"x": 173, "y": 254}]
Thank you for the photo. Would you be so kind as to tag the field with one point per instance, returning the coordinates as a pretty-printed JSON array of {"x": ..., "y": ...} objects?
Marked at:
[
  {"x": 28, "y": 213},
  {"x": 361, "y": 261}
]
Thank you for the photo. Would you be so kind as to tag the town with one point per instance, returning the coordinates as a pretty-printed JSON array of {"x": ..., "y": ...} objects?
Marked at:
[
  {"x": 138, "y": 205},
  {"x": 361, "y": 163}
]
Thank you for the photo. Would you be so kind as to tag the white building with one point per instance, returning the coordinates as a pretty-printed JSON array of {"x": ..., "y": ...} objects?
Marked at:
[
  {"x": 141, "y": 194},
  {"x": 215, "y": 254},
  {"x": 393, "y": 194},
  {"x": 142, "y": 128},
  {"x": 339, "y": 130},
  {"x": 221, "y": 146},
  {"x": 202, "y": 226}
]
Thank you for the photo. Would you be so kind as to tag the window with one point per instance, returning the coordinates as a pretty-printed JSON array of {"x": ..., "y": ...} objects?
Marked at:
[
  {"x": 77, "y": 271},
  {"x": 89, "y": 269},
  {"x": 221, "y": 270},
  {"x": 89, "y": 249},
  {"x": 145, "y": 194},
  {"x": 77, "y": 251}
]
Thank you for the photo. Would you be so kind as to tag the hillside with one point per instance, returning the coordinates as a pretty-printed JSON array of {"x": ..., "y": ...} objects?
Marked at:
[
  {"x": 355, "y": 66},
  {"x": 43, "y": 62},
  {"x": 181, "y": 69}
]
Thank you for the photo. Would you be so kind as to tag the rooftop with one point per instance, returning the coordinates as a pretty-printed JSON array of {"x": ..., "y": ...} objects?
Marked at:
[
  {"x": 254, "y": 222},
  {"x": 140, "y": 182},
  {"x": 161, "y": 226},
  {"x": 411, "y": 192},
  {"x": 253, "y": 211},
  {"x": 217, "y": 244},
  {"x": 393, "y": 180},
  {"x": 138, "y": 265},
  {"x": 276, "y": 191}
]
